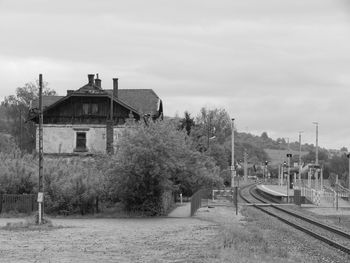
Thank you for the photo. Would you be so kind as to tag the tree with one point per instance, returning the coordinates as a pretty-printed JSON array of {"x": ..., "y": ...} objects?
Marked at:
[
  {"x": 187, "y": 123},
  {"x": 211, "y": 124},
  {"x": 344, "y": 149},
  {"x": 264, "y": 136},
  {"x": 155, "y": 159},
  {"x": 16, "y": 108}
]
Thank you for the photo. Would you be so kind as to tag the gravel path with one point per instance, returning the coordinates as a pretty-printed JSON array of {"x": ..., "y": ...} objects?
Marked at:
[
  {"x": 111, "y": 240},
  {"x": 254, "y": 238}
]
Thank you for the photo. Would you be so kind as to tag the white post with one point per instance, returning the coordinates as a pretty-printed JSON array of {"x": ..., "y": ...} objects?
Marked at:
[
  {"x": 321, "y": 179},
  {"x": 39, "y": 213}
]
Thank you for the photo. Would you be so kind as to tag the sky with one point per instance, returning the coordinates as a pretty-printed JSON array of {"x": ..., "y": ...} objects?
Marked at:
[{"x": 274, "y": 66}]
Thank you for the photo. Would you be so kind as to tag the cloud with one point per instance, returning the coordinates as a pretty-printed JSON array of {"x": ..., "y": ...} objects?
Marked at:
[{"x": 274, "y": 65}]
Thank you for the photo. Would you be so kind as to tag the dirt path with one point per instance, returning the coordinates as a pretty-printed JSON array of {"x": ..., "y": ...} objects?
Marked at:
[{"x": 113, "y": 240}]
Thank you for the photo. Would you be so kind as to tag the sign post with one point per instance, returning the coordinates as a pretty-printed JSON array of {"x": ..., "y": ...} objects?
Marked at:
[{"x": 40, "y": 201}]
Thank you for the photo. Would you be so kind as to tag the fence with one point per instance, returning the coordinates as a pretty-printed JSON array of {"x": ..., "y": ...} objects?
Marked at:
[
  {"x": 196, "y": 199},
  {"x": 19, "y": 203}
]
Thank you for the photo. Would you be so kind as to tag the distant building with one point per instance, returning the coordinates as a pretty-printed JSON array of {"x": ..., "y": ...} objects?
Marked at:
[{"x": 90, "y": 119}]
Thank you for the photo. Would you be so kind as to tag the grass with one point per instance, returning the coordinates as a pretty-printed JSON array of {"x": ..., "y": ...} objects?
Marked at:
[
  {"x": 251, "y": 241},
  {"x": 29, "y": 223}
]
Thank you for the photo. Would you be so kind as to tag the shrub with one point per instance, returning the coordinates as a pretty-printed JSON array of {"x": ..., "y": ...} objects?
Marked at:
[{"x": 155, "y": 159}]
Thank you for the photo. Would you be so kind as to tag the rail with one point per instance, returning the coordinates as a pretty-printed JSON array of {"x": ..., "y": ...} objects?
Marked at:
[{"x": 311, "y": 232}]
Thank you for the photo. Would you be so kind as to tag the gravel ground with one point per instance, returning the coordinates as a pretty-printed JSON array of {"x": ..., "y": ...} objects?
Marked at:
[
  {"x": 213, "y": 235},
  {"x": 111, "y": 240}
]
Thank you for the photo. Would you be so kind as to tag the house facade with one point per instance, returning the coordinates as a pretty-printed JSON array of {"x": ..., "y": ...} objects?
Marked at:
[{"x": 91, "y": 119}]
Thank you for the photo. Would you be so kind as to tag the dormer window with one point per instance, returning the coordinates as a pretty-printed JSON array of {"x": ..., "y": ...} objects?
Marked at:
[
  {"x": 94, "y": 109},
  {"x": 90, "y": 109},
  {"x": 85, "y": 109}
]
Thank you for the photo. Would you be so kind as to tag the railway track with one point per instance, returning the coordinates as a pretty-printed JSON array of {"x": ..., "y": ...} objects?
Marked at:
[{"x": 325, "y": 233}]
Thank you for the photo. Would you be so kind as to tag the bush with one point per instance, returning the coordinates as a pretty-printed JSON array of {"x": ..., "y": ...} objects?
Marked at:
[
  {"x": 70, "y": 185},
  {"x": 153, "y": 160},
  {"x": 18, "y": 173}
]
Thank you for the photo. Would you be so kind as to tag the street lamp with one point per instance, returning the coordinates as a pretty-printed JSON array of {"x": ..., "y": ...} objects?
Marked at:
[
  {"x": 300, "y": 158},
  {"x": 210, "y": 131},
  {"x": 348, "y": 155},
  {"x": 316, "y": 123},
  {"x": 289, "y": 156},
  {"x": 233, "y": 170}
]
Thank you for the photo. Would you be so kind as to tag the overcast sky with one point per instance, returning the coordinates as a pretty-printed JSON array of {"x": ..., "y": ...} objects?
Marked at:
[{"x": 275, "y": 66}]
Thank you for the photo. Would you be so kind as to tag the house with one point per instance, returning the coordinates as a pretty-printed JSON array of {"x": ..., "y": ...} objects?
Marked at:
[{"x": 91, "y": 119}]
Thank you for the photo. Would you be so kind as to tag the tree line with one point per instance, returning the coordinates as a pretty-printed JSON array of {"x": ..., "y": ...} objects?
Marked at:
[{"x": 177, "y": 155}]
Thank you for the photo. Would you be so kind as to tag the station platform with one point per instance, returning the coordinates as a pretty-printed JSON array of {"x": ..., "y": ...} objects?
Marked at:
[{"x": 275, "y": 190}]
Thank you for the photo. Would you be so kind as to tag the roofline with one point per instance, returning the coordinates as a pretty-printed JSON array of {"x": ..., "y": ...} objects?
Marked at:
[{"x": 89, "y": 95}]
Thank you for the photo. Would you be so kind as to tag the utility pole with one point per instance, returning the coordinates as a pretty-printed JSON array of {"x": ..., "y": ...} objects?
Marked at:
[
  {"x": 300, "y": 158},
  {"x": 233, "y": 169},
  {"x": 316, "y": 123},
  {"x": 41, "y": 186},
  {"x": 20, "y": 127},
  {"x": 289, "y": 155},
  {"x": 208, "y": 131},
  {"x": 348, "y": 155},
  {"x": 245, "y": 166}
]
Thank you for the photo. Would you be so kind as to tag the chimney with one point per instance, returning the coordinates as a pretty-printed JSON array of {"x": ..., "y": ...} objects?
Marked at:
[
  {"x": 91, "y": 79},
  {"x": 97, "y": 82},
  {"x": 115, "y": 87},
  {"x": 69, "y": 91}
]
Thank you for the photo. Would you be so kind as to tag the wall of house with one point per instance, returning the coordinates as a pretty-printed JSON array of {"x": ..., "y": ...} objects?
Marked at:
[{"x": 62, "y": 139}]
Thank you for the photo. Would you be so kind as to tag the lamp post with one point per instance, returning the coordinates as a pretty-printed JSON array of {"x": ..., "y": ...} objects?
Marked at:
[
  {"x": 233, "y": 170},
  {"x": 300, "y": 158},
  {"x": 348, "y": 155},
  {"x": 316, "y": 123},
  {"x": 289, "y": 155}
]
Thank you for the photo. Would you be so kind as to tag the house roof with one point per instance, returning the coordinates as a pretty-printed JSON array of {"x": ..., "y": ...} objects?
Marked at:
[{"x": 144, "y": 101}]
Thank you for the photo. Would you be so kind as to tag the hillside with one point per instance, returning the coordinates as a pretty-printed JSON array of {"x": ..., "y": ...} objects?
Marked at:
[{"x": 278, "y": 156}]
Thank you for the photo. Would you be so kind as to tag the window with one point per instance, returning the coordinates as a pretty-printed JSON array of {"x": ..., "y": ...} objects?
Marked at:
[
  {"x": 85, "y": 109},
  {"x": 94, "y": 109},
  {"x": 81, "y": 141},
  {"x": 90, "y": 109}
]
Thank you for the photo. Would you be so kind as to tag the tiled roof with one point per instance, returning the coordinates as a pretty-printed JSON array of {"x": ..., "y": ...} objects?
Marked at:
[
  {"x": 47, "y": 101},
  {"x": 143, "y": 100}
]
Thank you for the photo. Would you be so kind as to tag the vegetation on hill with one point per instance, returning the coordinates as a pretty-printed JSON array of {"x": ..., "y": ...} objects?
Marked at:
[
  {"x": 14, "y": 111},
  {"x": 178, "y": 155}
]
